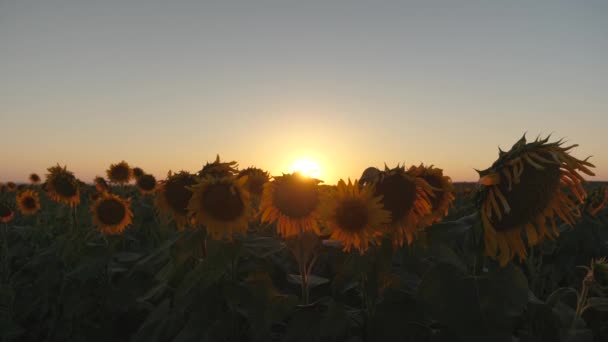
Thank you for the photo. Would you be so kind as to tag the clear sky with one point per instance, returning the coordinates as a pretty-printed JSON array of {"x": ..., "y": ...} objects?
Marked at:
[{"x": 350, "y": 84}]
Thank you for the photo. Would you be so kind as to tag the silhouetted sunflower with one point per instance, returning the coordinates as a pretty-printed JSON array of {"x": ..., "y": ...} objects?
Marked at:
[
  {"x": 120, "y": 173},
  {"x": 34, "y": 178},
  {"x": 218, "y": 169},
  {"x": 354, "y": 216},
  {"x": 522, "y": 190},
  {"x": 597, "y": 201},
  {"x": 62, "y": 186},
  {"x": 11, "y": 186},
  {"x": 138, "y": 172},
  {"x": 221, "y": 205},
  {"x": 407, "y": 198},
  {"x": 146, "y": 184},
  {"x": 173, "y": 195},
  {"x": 28, "y": 202},
  {"x": 443, "y": 191},
  {"x": 256, "y": 178},
  {"x": 111, "y": 214},
  {"x": 101, "y": 185},
  {"x": 6, "y": 213},
  {"x": 292, "y": 201}
]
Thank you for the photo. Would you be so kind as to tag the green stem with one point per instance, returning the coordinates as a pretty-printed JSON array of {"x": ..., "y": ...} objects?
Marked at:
[
  {"x": 303, "y": 273},
  {"x": 6, "y": 267}
]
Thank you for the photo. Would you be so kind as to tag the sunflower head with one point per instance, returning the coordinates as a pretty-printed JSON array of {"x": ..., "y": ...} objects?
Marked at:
[
  {"x": 443, "y": 191},
  {"x": 62, "y": 186},
  {"x": 138, "y": 172},
  {"x": 173, "y": 195},
  {"x": 597, "y": 201},
  {"x": 120, "y": 173},
  {"x": 111, "y": 214},
  {"x": 256, "y": 178},
  {"x": 6, "y": 213},
  {"x": 218, "y": 169},
  {"x": 28, "y": 202},
  {"x": 34, "y": 178},
  {"x": 146, "y": 184},
  {"x": 407, "y": 198},
  {"x": 222, "y": 206},
  {"x": 101, "y": 185},
  {"x": 522, "y": 190},
  {"x": 292, "y": 201},
  {"x": 11, "y": 186},
  {"x": 354, "y": 216}
]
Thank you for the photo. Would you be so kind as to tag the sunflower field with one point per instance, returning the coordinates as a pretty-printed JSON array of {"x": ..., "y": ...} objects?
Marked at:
[{"x": 229, "y": 254}]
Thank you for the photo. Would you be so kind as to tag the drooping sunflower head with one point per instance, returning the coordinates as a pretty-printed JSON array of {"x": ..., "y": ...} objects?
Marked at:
[
  {"x": 146, "y": 184},
  {"x": 6, "y": 213},
  {"x": 354, "y": 216},
  {"x": 138, "y": 172},
  {"x": 101, "y": 185},
  {"x": 256, "y": 178},
  {"x": 62, "y": 186},
  {"x": 11, "y": 186},
  {"x": 120, "y": 173},
  {"x": 443, "y": 191},
  {"x": 292, "y": 201},
  {"x": 218, "y": 169},
  {"x": 522, "y": 190},
  {"x": 34, "y": 178},
  {"x": 111, "y": 214},
  {"x": 597, "y": 201},
  {"x": 173, "y": 195},
  {"x": 407, "y": 198},
  {"x": 222, "y": 205},
  {"x": 28, "y": 202}
]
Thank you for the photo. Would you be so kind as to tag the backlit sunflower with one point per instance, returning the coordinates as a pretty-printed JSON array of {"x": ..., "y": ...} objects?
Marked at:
[
  {"x": 62, "y": 186},
  {"x": 111, "y": 214},
  {"x": 28, "y": 202},
  {"x": 256, "y": 178},
  {"x": 6, "y": 213},
  {"x": 101, "y": 185},
  {"x": 146, "y": 184},
  {"x": 34, "y": 178},
  {"x": 218, "y": 169},
  {"x": 597, "y": 201},
  {"x": 173, "y": 195},
  {"x": 222, "y": 206},
  {"x": 292, "y": 201},
  {"x": 522, "y": 190},
  {"x": 443, "y": 191},
  {"x": 407, "y": 198},
  {"x": 120, "y": 173},
  {"x": 11, "y": 186},
  {"x": 138, "y": 172},
  {"x": 354, "y": 216}
]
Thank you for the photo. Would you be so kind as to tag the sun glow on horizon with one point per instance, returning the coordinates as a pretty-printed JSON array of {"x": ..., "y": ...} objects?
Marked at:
[{"x": 306, "y": 167}]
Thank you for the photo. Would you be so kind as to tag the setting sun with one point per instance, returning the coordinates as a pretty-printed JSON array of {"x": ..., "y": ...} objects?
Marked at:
[{"x": 306, "y": 167}]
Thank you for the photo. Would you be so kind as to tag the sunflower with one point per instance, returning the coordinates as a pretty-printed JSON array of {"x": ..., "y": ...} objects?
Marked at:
[
  {"x": 407, "y": 198},
  {"x": 597, "y": 201},
  {"x": 111, "y": 214},
  {"x": 146, "y": 184},
  {"x": 221, "y": 205},
  {"x": 101, "y": 185},
  {"x": 256, "y": 178},
  {"x": 62, "y": 186},
  {"x": 443, "y": 191},
  {"x": 522, "y": 190},
  {"x": 28, "y": 202},
  {"x": 218, "y": 169},
  {"x": 291, "y": 200},
  {"x": 11, "y": 186},
  {"x": 354, "y": 216},
  {"x": 138, "y": 172},
  {"x": 34, "y": 178},
  {"x": 6, "y": 213},
  {"x": 173, "y": 195},
  {"x": 120, "y": 173}
]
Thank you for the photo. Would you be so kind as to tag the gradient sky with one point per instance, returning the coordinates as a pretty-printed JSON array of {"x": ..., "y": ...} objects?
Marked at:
[{"x": 168, "y": 84}]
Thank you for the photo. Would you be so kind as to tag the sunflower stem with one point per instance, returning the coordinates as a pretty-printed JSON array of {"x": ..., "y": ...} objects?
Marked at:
[
  {"x": 6, "y": 267},
  {"x": 303, "y": 273}
]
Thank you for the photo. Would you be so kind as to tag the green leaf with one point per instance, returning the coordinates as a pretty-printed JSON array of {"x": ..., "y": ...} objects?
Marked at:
[
  {"x": 313, "y": 280},
  {"x": 598, "y": 303}
]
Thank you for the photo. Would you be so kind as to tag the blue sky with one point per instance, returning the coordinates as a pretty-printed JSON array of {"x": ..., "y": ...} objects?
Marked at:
[{"x": 167, "y": 85}]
